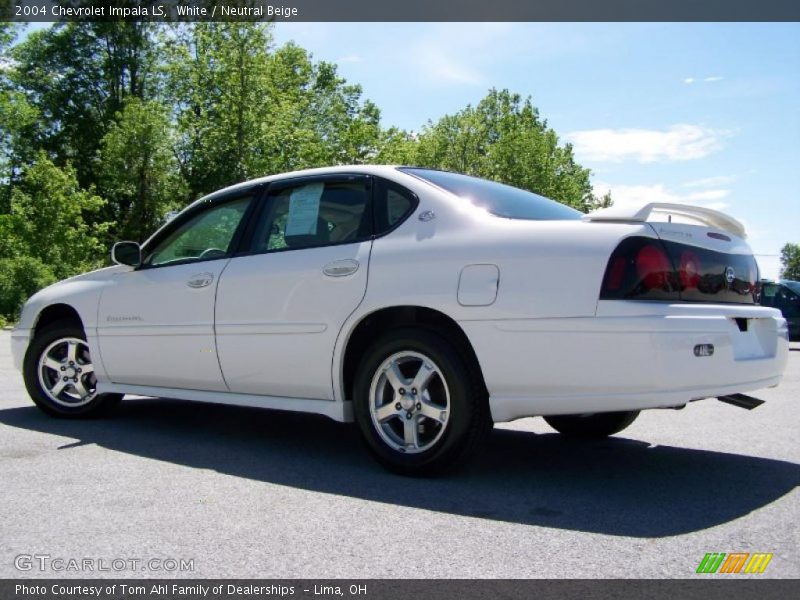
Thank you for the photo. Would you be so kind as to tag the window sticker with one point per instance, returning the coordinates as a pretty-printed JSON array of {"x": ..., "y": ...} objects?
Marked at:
[{"x": 304, "y": 210}]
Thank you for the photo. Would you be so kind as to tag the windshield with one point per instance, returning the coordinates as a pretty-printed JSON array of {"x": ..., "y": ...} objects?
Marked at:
[{"x": 499, "y": 199}]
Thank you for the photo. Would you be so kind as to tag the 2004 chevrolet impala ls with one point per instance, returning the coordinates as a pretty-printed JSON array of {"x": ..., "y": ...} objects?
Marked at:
[{"x": 423, "y": 304}]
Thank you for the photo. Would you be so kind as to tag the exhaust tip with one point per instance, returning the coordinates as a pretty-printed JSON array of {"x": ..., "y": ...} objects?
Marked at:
[{"x": 741, "y": 400}]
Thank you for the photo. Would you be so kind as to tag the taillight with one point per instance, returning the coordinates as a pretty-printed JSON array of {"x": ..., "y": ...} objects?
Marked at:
[
  {"x": 653, "y": 267},
  {"x": 642, "y": 268},
  {"x": 616, "y": 272},
  {"x": 689, "y": 270},
  {"x": 639, "y": 269}
]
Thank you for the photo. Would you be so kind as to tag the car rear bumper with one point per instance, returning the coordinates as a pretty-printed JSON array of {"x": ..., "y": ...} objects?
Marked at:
[{"x": 627, "y": 359}]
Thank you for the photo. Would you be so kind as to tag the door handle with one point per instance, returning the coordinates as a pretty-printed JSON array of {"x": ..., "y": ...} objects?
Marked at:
[
  {"x": 200, "y": 280},
  {"x": 340, "y": 268}
]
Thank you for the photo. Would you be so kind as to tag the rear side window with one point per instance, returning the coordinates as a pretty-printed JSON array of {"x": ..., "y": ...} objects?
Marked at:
[
  {"x": 499, "y": 199},
  {"x": 314, "y": 213},
  {"x": 782, "y": 297},
  {"x": 393, "y": 203}
]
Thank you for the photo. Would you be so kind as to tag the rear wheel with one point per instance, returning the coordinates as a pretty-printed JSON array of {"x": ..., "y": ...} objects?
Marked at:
[
  {"x": 597, "y": 425},
  {"x": 420, "y": 408},
  {"x": 59, "y": 374}
]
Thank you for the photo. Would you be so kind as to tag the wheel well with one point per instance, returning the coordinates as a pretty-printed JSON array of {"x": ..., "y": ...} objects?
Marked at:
[
  {"x": 374, "y": 324},
  {"x": 57, "y": 312}
]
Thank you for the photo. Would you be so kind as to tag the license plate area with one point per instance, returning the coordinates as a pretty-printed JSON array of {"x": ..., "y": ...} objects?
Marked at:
[{"x": 752, "y": 338}]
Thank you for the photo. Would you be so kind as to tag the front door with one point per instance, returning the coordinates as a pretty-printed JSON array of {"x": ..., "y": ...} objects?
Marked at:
[{"x": 156, "y": 322}]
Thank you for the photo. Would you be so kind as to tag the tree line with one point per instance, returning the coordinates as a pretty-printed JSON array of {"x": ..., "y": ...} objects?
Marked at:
[{"x": 108, "y": 127}]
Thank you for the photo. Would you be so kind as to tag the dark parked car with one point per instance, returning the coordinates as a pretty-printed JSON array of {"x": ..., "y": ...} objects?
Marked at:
[{"x": 785, "y": 296}]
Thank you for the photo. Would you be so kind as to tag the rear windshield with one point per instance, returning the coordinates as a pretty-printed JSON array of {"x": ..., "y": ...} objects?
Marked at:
[
  {"x": 792, "y": 285},
  {"x": 499, "y": 199}
]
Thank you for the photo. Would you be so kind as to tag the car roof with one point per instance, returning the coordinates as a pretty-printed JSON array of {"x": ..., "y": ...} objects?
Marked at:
[{"x": 383, "y": 170}]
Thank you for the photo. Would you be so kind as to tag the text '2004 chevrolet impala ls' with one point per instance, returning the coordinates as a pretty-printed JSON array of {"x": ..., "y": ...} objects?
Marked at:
[{"x": 424, "y": 305}]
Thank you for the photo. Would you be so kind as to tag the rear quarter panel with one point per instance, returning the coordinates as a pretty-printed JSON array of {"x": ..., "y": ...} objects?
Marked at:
[{"x": 547, "y": 269}]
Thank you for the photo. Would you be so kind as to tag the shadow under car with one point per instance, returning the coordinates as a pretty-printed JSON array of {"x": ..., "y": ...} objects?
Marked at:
[{"x": 615, "y": 486}]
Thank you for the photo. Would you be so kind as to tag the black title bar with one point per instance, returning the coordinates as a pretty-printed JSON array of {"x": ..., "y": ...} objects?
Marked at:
[
  {"x": 400, "y": 10},
  {"x": 403, "y": 589}
]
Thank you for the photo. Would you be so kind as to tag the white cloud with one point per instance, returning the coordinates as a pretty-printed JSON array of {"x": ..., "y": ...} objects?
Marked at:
[
  {"x": 440, "y": 66},
  {"x": 679, "y": 142},
  {"x": 460, "y": 53},
  {"x": 690, "y": 80},
  {"x": 350, "y": 58},
  {"x": 769, "y": 265},
  {"x": 638, "y": 195},
  {"x": 707, "y": 182}
]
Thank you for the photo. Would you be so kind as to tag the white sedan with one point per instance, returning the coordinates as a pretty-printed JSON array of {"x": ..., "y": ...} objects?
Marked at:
[{"x": 422, "y": 304}]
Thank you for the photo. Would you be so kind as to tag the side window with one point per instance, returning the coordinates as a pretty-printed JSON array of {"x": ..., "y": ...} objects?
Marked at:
[
  {"x": 792, "y": 305},
  {"x": 393, "y": 203},
  {"x": 319, "y": 213},
  {"x": 206, "y": 235},
  {"x": 769, "y": 295}
]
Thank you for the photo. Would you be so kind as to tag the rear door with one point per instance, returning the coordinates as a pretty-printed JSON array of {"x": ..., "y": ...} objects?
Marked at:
[{"x": 280, "y": 305}]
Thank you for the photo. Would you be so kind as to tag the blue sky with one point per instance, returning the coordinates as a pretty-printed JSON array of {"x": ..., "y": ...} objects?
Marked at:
[{"x": 706, "y": 113}]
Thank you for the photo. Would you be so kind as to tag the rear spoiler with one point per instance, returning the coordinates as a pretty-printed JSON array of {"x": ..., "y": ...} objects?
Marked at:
[{"x": 696, "y": 214}]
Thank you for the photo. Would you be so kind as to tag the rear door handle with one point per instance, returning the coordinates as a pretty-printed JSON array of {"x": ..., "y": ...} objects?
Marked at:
[
  {"x": 200, "y": 280},
  {"x": 341, "y": 268}
]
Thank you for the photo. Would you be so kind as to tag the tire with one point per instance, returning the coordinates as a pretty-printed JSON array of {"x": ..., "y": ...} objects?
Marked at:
[
  {"x": 437, "y": 427},
  {"x": 58, "y": 387},
  {"x": 593, "y": 426}
]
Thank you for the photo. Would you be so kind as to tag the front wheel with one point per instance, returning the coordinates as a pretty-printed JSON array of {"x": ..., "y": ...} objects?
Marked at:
[
  {"x": 419, "y": 407},
  {"x": 597, "y": 425},
  {"x": 59, "y": 374}
]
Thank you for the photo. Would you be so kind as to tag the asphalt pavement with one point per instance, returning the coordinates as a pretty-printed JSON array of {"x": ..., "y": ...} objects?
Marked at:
[{"x": 247, "y": 493}]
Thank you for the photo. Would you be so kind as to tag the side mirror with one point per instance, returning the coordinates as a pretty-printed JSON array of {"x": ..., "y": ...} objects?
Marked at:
[{"x": 126, "y": 253}]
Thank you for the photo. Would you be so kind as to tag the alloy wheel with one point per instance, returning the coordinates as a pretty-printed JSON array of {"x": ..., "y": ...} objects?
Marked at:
[
  {"x": 409, "y": 402},
  {"x": 66, "y": 373}
]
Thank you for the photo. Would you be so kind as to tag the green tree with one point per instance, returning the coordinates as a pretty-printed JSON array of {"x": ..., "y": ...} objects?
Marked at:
[
  {"x": 503, "y": 138},
  {"x": 8, "y": 31},
  {"x": 47, "y": 221},
  {"x": 396, "y": 147},
  {"x": 20, "y": 278},
  {"x": 77, "y": 76},
  {"x": 243, "y": 109},
  {"x": 216, "y": 81},
  {"x": 19, "y": 121},
  {"x": 790, "y": 262},
  {"x": 137, "y": 170},
  {"x": 19, "y": 127}
]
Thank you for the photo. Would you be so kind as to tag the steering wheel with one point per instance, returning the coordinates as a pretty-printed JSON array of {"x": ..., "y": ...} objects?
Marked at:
[{"x": 212, "y": 253}]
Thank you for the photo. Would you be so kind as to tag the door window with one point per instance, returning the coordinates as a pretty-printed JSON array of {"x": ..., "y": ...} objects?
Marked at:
[
  {"x": 317, "y": 213},
  {"x": 205, "y": 236}
]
